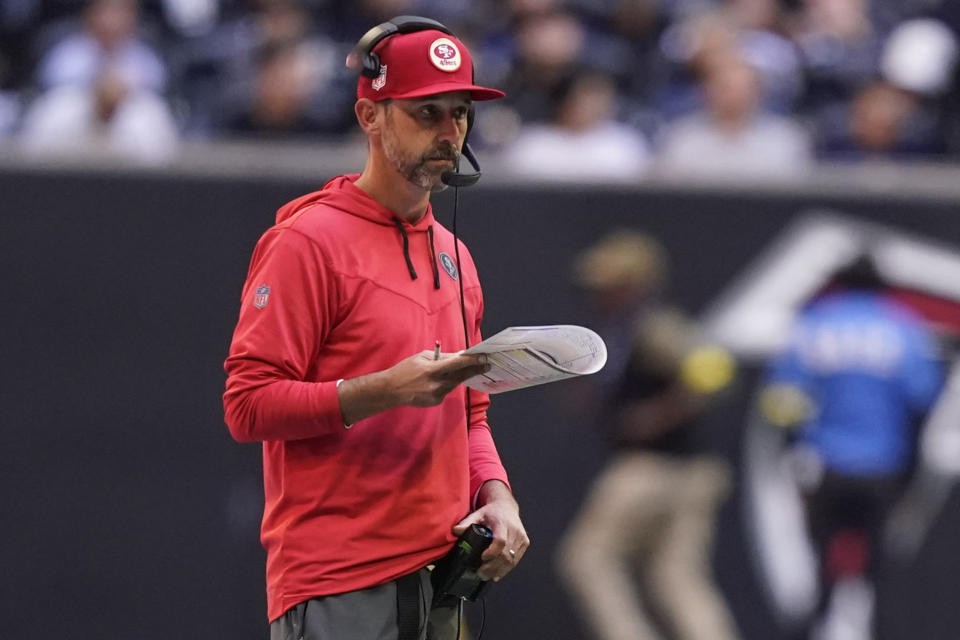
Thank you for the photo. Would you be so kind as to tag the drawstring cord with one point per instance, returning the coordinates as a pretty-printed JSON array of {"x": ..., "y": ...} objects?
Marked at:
[
  {"x": 406, "y": 248},
  {"x": 406, "y": 253},
  {"x": 433, "y": 259}
]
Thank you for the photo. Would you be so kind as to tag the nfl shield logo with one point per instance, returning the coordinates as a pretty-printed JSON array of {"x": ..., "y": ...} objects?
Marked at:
[
  {"x": 381, "y": 80},
  {"x": 261, "y": 296}
]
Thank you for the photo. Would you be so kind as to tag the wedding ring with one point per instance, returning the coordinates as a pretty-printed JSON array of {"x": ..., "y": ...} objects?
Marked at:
[{"x": 513, "y": 554}]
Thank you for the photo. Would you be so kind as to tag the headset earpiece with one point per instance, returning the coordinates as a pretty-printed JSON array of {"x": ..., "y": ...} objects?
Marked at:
[{"x": 364, "y": 61}]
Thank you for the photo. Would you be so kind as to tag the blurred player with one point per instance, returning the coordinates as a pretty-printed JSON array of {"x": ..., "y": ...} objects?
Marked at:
[
  {"x": 860, "y": 373},
  {"x": 653, "y": 508}
]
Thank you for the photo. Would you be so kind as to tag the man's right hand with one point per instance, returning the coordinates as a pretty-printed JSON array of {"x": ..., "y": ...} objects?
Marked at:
[
  {"x": 418, "y": 381},
  {"x": 422, "y": 381}
]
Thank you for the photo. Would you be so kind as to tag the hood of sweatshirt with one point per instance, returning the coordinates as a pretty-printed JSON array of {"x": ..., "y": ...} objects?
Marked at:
[{"x": 341, "y": 193}]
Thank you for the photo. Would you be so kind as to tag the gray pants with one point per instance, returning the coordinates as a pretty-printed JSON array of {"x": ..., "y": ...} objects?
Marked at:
[
  {"x": 368, "y": 614},
  {"x": 653, "y": 515}
]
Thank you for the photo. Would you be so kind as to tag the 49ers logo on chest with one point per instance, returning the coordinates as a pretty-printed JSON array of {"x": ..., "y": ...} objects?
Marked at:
[{"x": 445, "y": 55}]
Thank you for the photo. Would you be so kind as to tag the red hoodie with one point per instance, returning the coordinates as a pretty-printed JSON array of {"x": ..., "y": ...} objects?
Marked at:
[{"x": 333, "y": 293}]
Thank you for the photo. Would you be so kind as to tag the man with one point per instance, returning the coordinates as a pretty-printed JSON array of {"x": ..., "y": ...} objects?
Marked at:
[
  {"x": 636, "y": 558},
  {"x": 374, "y": 459},
  {"x": 859, "y": 375}
]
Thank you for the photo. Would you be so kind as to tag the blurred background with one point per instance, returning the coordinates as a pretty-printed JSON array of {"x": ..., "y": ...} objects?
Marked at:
[
  {"x": 636, "y": 87},
  {"x": 759, "y": 145}
]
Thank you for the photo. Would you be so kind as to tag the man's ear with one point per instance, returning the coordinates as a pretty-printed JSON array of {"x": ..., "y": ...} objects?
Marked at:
[{"x": 367, "y": 115}]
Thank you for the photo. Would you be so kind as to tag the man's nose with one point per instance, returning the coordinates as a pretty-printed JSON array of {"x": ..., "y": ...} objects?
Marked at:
[{"x": 450, "y": 130}]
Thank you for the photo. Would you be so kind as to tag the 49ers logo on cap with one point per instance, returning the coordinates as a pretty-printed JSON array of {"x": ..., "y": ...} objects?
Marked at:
[{"x": 444, "y": 55}]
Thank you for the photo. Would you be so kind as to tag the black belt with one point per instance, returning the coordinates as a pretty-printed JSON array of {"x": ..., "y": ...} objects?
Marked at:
[{"x": 408, "y": 606}]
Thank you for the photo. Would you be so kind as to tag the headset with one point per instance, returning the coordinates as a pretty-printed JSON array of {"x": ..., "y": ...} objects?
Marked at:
[{"x": 364, "y": 61}]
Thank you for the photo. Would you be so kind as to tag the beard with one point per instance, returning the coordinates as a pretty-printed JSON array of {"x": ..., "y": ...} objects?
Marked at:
[{"x": 417, "y": 168}]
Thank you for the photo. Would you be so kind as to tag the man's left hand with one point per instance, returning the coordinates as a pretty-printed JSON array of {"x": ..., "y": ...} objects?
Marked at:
[{"x": 500, "y": 512}]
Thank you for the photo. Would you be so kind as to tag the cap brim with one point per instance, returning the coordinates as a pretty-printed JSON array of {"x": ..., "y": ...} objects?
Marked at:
[{"x": 476, "y": 92}]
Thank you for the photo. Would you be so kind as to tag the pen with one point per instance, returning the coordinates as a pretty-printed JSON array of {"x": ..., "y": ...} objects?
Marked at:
[{"x": 436, "y": 351}]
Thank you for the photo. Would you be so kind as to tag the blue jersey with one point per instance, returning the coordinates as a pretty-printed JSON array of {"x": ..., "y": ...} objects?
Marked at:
[{"x": 869, "y": 366}]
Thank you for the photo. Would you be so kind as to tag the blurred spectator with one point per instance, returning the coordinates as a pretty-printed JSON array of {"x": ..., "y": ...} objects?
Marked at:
[
  {"x": 750, "y": 29},
  {"x": 107, "y": 39},
  {"x": 687, "y": 46},
  {"x": 286, "y": 78},
  {"x": 102, "y": 89},
  {"x": 225, "y": 75},
  {"x": 109, "y": 117},
  {"x": 647, "y": 525},
  {"x": 498, "y": 35},
  {"x": 733, "y": 136},
  {"x": 902, "y": 114},
  {"x": 765, "y": 45},
  {"x": 860, "y": 373},
  {"x": 547, "y": 47},
  {"x": 621, "y": 39},
  {"x": 840, "y": 49},
  {"x": 881, "y": 121},
  {"x": 583, "y": 141}
]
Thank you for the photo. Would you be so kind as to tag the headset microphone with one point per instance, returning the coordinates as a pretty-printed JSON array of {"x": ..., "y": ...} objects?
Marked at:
[{"x": 453, "y": 177}]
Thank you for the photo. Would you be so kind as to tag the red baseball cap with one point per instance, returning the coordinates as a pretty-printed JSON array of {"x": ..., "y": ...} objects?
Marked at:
[{"x": 422, "y": 63}]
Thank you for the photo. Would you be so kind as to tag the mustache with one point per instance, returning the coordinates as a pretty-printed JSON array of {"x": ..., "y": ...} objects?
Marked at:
[{"x": 444, "y": 152}]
